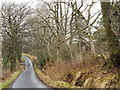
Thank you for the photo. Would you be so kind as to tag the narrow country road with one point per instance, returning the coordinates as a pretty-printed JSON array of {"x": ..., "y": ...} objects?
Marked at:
[{"x": 28, "y": 78}]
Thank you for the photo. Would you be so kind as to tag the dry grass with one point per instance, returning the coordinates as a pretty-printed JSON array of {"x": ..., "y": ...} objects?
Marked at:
[
  {"x": 52, "y": 83},
  {"x": 66, "y": 73},
  {"x": 60, "y": 69}
]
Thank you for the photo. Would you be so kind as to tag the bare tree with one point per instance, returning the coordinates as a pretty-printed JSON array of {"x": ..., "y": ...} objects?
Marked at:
[{"x": 13, "y": 23}]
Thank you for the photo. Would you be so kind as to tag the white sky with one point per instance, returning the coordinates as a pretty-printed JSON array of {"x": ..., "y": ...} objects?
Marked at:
[{"x": 33, "y": 3}]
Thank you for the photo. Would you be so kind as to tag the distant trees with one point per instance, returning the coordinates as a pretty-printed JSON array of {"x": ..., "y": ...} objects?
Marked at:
[
  {"x": 13, "y": 23},
  {"x": 61, "y": 31}
]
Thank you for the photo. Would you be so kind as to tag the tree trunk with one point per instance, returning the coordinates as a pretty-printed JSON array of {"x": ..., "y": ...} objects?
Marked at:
[
  {"x": 71, "y": 33},
  {"x": 91, "y": 41},
  {"x": 19, "y": 51},
  {"x": 12, "y": 50},
  {"x": 11, "y": 54},
  {"x": 90, "y": 31},
  {"x": 111, "y": 37}
]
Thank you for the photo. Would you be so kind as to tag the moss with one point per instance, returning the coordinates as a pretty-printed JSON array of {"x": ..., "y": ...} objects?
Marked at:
[
  {"x": 62, "y": 84},
  {"x": 105, "y": 79},
  {"x": 22, "y": 59},
  {"x": 82, "y": 79},
  {"x": 90, "y": 83},
  {"x": 85, "y": 76},
  {"x": 0, "y": 85},
  {"x": 118, "y": 82},
  {"x": 73, "y": 72},
  {"x": 109, "y": 77}
]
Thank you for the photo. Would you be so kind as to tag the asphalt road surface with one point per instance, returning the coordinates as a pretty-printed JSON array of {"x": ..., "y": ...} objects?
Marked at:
[{"x": 28, "y": 78}]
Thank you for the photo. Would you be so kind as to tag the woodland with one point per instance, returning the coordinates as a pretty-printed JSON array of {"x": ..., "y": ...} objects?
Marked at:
[{"x": 64, "y": 37}]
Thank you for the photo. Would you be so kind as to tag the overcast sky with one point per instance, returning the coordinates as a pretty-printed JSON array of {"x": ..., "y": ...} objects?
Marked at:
[{"x": 33, "y": 3}]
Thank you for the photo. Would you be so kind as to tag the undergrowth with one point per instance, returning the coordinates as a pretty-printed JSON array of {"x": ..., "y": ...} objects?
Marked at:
[{"x": 90, "y": 72}]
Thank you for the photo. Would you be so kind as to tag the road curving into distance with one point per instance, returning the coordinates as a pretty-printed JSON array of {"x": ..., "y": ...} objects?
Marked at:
[{"x": 28, "y": 78}]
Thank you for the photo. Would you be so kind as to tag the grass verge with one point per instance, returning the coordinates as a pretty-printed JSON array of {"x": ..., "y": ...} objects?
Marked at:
[
  {"x": 51, "y": 83},
  {"x": 7, "y": 82},
  {"x": 13, "y": 76}
]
